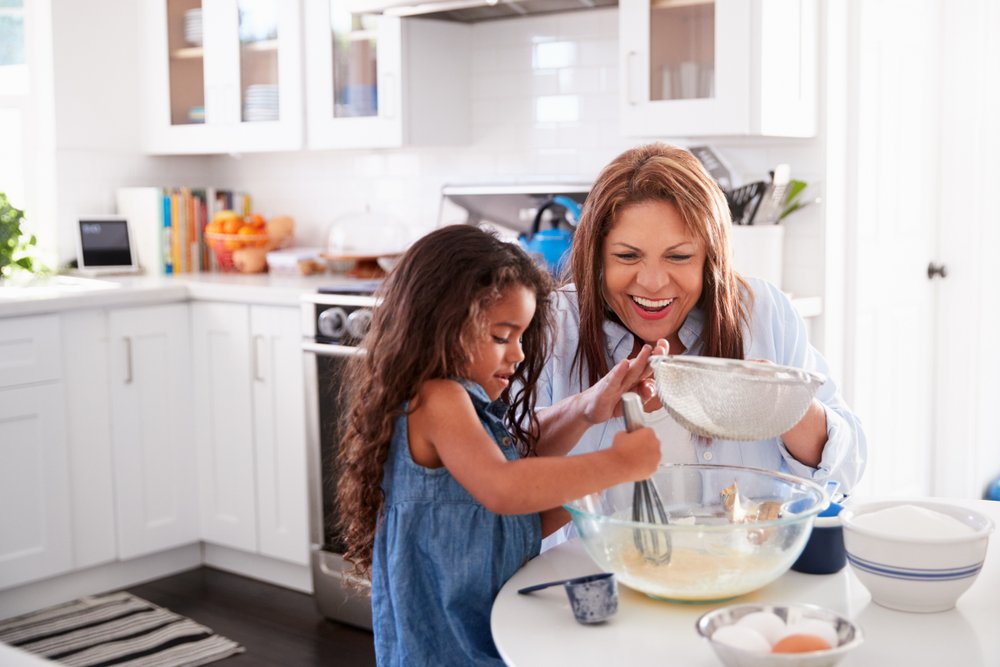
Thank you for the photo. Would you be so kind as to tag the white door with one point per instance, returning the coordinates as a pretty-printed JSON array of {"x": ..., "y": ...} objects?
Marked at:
[
  {"x": 279, "y": 427},
  {"x": 968, "y": 378},
  {"x": 223, "y": 412},
  {"x": 34, "y": 485},
  {"x": 891, "y": 303},
  {"x": 151, "y": 407}
]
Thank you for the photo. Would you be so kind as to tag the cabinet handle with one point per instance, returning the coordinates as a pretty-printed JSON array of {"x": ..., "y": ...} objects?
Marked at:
[
  {"x": 256, "y": 360},
  {"x": 388, "y": 96},
  {"x": 128, "y": 359},
  {"x": 628, "y": 77}
]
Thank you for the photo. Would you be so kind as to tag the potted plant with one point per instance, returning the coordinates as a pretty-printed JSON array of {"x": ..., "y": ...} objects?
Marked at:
[{"x": 16, "y": 250}]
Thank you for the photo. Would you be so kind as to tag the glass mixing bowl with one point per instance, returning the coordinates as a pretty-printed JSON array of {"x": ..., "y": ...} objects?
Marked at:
[{"x": 711, "y": 558}]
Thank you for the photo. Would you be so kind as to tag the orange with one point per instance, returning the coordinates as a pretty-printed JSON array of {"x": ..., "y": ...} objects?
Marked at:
[
  {"x": 247, "y": 230},
  {"x": 255, "y": 220},
  {"x": 231, "y": 225},
  {"x": 213, "y": 228}
]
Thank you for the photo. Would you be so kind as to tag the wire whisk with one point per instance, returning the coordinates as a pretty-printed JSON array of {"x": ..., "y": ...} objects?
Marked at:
[{"x": 655, "y": 546}]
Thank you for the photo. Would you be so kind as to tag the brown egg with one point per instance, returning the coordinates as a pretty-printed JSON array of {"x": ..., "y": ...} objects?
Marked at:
[{"x": 800, "y": 644}]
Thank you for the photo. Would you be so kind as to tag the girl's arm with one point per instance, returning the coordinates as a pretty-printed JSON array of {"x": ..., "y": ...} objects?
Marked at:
[
  {"x": 445, "y": 430},
  {"x": 564, "y": 423},
  {"x": 553, "y": 520}
]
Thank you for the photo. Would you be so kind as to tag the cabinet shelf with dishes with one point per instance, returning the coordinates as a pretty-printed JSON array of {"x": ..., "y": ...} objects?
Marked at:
[
  {"x": 718, "y": 68},
  {"x": 220, "y": 77}
]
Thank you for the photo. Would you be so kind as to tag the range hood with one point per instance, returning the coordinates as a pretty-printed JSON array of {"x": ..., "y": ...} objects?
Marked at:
[{"x": 472, "y": 11}]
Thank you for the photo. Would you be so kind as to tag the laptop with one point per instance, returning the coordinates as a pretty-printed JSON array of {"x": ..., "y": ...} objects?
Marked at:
[{"x": 104, "y": 246}]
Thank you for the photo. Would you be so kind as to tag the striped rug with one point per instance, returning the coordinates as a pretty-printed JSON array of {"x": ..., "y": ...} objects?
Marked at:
[{"x": 117, "y": 629}]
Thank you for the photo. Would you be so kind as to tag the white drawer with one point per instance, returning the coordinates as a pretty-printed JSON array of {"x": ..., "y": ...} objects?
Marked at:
[{"x": 29, "y": 350}]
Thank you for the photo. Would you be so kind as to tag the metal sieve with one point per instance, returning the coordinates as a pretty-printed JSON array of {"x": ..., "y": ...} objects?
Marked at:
[{"x": 731, "y": 399}]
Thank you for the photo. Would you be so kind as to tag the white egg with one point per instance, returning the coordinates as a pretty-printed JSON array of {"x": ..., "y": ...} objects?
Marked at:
[
  {"x": 770, "y": 626},
  {"x": 811, "y": 626},
  {"x": 742, "y": 638}
]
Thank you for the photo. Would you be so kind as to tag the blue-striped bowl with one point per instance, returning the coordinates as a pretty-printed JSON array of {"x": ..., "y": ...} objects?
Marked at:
[{"x": 918, "y": 574}]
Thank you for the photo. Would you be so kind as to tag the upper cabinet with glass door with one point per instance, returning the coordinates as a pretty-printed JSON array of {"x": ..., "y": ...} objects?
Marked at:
[
  {"x": 381, "y": 80},
  {"x": 221, "y": 76},
  {"x": 718, "y": 68}
]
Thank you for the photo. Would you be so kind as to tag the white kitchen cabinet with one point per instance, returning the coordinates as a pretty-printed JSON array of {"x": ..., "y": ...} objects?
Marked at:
[
  {"x": 151, "y": 413},
  {"x": 279, "y": 429},
  {"x": 34, "y": 474},
  {"x": 220, "y": 76},
  {"x": 223, "y": 413},
  {"x": 87, "y": 378},
  {"x": 380, "y": 81},
  {"x": 250, "y": 428},
  {"x": 718, "y": 68}
]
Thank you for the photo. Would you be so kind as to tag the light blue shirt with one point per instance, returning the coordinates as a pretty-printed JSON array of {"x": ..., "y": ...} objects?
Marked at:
[{"x": 777, "y": 334}]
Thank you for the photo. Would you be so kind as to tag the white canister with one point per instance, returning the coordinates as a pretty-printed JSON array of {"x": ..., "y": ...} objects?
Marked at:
[{"x": 758, "y": 251}]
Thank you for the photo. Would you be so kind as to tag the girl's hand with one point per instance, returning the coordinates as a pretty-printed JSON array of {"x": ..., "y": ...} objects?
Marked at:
[
  {"x": 603, "y": 401},
  {"x": 638, "y": 452}
]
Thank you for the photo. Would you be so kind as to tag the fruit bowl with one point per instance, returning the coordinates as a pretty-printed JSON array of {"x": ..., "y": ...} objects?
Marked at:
[{"x": 712, "y": 559}]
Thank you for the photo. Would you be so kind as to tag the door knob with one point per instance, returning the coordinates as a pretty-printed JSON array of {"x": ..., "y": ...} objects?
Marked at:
[{"x": 936, "y": 270}]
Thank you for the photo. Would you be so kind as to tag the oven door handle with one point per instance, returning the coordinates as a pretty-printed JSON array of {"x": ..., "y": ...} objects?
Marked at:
[{"x": 327, "y": 350}]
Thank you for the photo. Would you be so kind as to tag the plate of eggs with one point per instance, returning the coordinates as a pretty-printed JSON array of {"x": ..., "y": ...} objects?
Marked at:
[{"x": 778, "y": 635}]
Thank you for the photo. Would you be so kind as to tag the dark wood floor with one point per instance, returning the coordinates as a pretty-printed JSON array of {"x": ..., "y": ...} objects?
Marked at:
[{"x": 278, "y": 627}]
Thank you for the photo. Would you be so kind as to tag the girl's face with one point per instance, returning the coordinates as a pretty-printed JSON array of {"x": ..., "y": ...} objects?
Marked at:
[
  {"x": 497, "y": 355},
  {"x": 652, "y": 271}
]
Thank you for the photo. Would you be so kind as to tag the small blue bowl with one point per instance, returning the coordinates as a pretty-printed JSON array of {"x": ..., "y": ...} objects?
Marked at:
[
  {"x": 824, "y": 552},
  {"x": 593, "y": 599}
]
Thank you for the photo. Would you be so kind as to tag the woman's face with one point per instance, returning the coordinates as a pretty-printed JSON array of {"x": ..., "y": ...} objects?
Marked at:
[{"x": 652, "y": 271}]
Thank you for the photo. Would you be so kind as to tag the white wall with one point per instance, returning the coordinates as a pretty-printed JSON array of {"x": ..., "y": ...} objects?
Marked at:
[{"x": 96, "y": 76}]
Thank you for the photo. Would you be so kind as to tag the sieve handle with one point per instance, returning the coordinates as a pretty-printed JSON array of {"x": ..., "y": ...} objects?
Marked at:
[{"x": 632, "y": 411}]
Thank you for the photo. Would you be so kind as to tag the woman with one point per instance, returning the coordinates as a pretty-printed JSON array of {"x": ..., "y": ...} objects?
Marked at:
[{"x": 652, "y": 273}]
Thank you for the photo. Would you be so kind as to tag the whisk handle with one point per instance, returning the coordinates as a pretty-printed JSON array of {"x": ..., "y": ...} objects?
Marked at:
[{"x": 632, "y": 411}]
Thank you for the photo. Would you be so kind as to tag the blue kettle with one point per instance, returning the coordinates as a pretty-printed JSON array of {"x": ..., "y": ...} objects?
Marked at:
[{"x": 552, "y": 244}]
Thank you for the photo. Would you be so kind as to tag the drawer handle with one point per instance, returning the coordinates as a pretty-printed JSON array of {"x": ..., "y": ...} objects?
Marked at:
[
  {"x": 128, "y": 359},
  {"x": 256, "y": 360}
]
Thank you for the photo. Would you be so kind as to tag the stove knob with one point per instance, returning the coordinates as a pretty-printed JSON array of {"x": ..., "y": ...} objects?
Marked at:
[
  {"x": 358, "y": 323},
  {"x": 332, "y": 322}
]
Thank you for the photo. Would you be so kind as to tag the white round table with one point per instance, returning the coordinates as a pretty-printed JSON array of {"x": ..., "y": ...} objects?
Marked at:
[{"x": 539, "y": 629}]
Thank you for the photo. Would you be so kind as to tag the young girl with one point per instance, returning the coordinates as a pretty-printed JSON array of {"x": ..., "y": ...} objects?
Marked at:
[{"x": 439, "y": 501}]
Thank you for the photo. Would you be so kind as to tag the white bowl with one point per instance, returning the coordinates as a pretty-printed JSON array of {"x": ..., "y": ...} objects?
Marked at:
[
  {"x": 849, "y": 635},
  {"x": 920, "y": 574}
]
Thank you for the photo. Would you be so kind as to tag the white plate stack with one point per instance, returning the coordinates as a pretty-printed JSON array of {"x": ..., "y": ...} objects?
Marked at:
[
  {"x": 192, "y": 26},
  {"x": 260, "y": 103}
]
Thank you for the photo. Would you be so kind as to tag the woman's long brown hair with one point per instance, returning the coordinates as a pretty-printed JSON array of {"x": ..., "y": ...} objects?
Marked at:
[
  {"x": 659, "y": 172},
  {"x": 431, "y": 317}
]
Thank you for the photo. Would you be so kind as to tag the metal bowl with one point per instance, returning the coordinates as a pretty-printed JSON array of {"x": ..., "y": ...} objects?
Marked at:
[
  {"x": 849, "y": 635},
  {"x": 712, "y": 559}
]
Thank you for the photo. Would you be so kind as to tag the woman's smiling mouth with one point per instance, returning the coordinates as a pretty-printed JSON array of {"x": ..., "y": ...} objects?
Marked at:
[
  {"x": 651, "y": 305},
  {"x": 651, "y": 309}
]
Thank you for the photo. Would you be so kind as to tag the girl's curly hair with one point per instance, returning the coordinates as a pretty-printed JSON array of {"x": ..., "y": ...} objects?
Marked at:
[{"x": 431, "y": 316}]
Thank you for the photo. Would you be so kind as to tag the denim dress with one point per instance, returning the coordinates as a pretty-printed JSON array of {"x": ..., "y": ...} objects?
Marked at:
[{"x": 440, "y": 557}]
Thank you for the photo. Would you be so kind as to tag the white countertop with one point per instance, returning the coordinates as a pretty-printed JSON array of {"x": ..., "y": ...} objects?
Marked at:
[
  {"x": 69, "y": 292},
  {"x": 61, "y": 293},
  {"x": 539, "y": 629}
]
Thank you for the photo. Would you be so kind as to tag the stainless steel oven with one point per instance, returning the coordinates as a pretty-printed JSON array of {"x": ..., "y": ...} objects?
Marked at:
[{"x": 333, "y": 322}]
